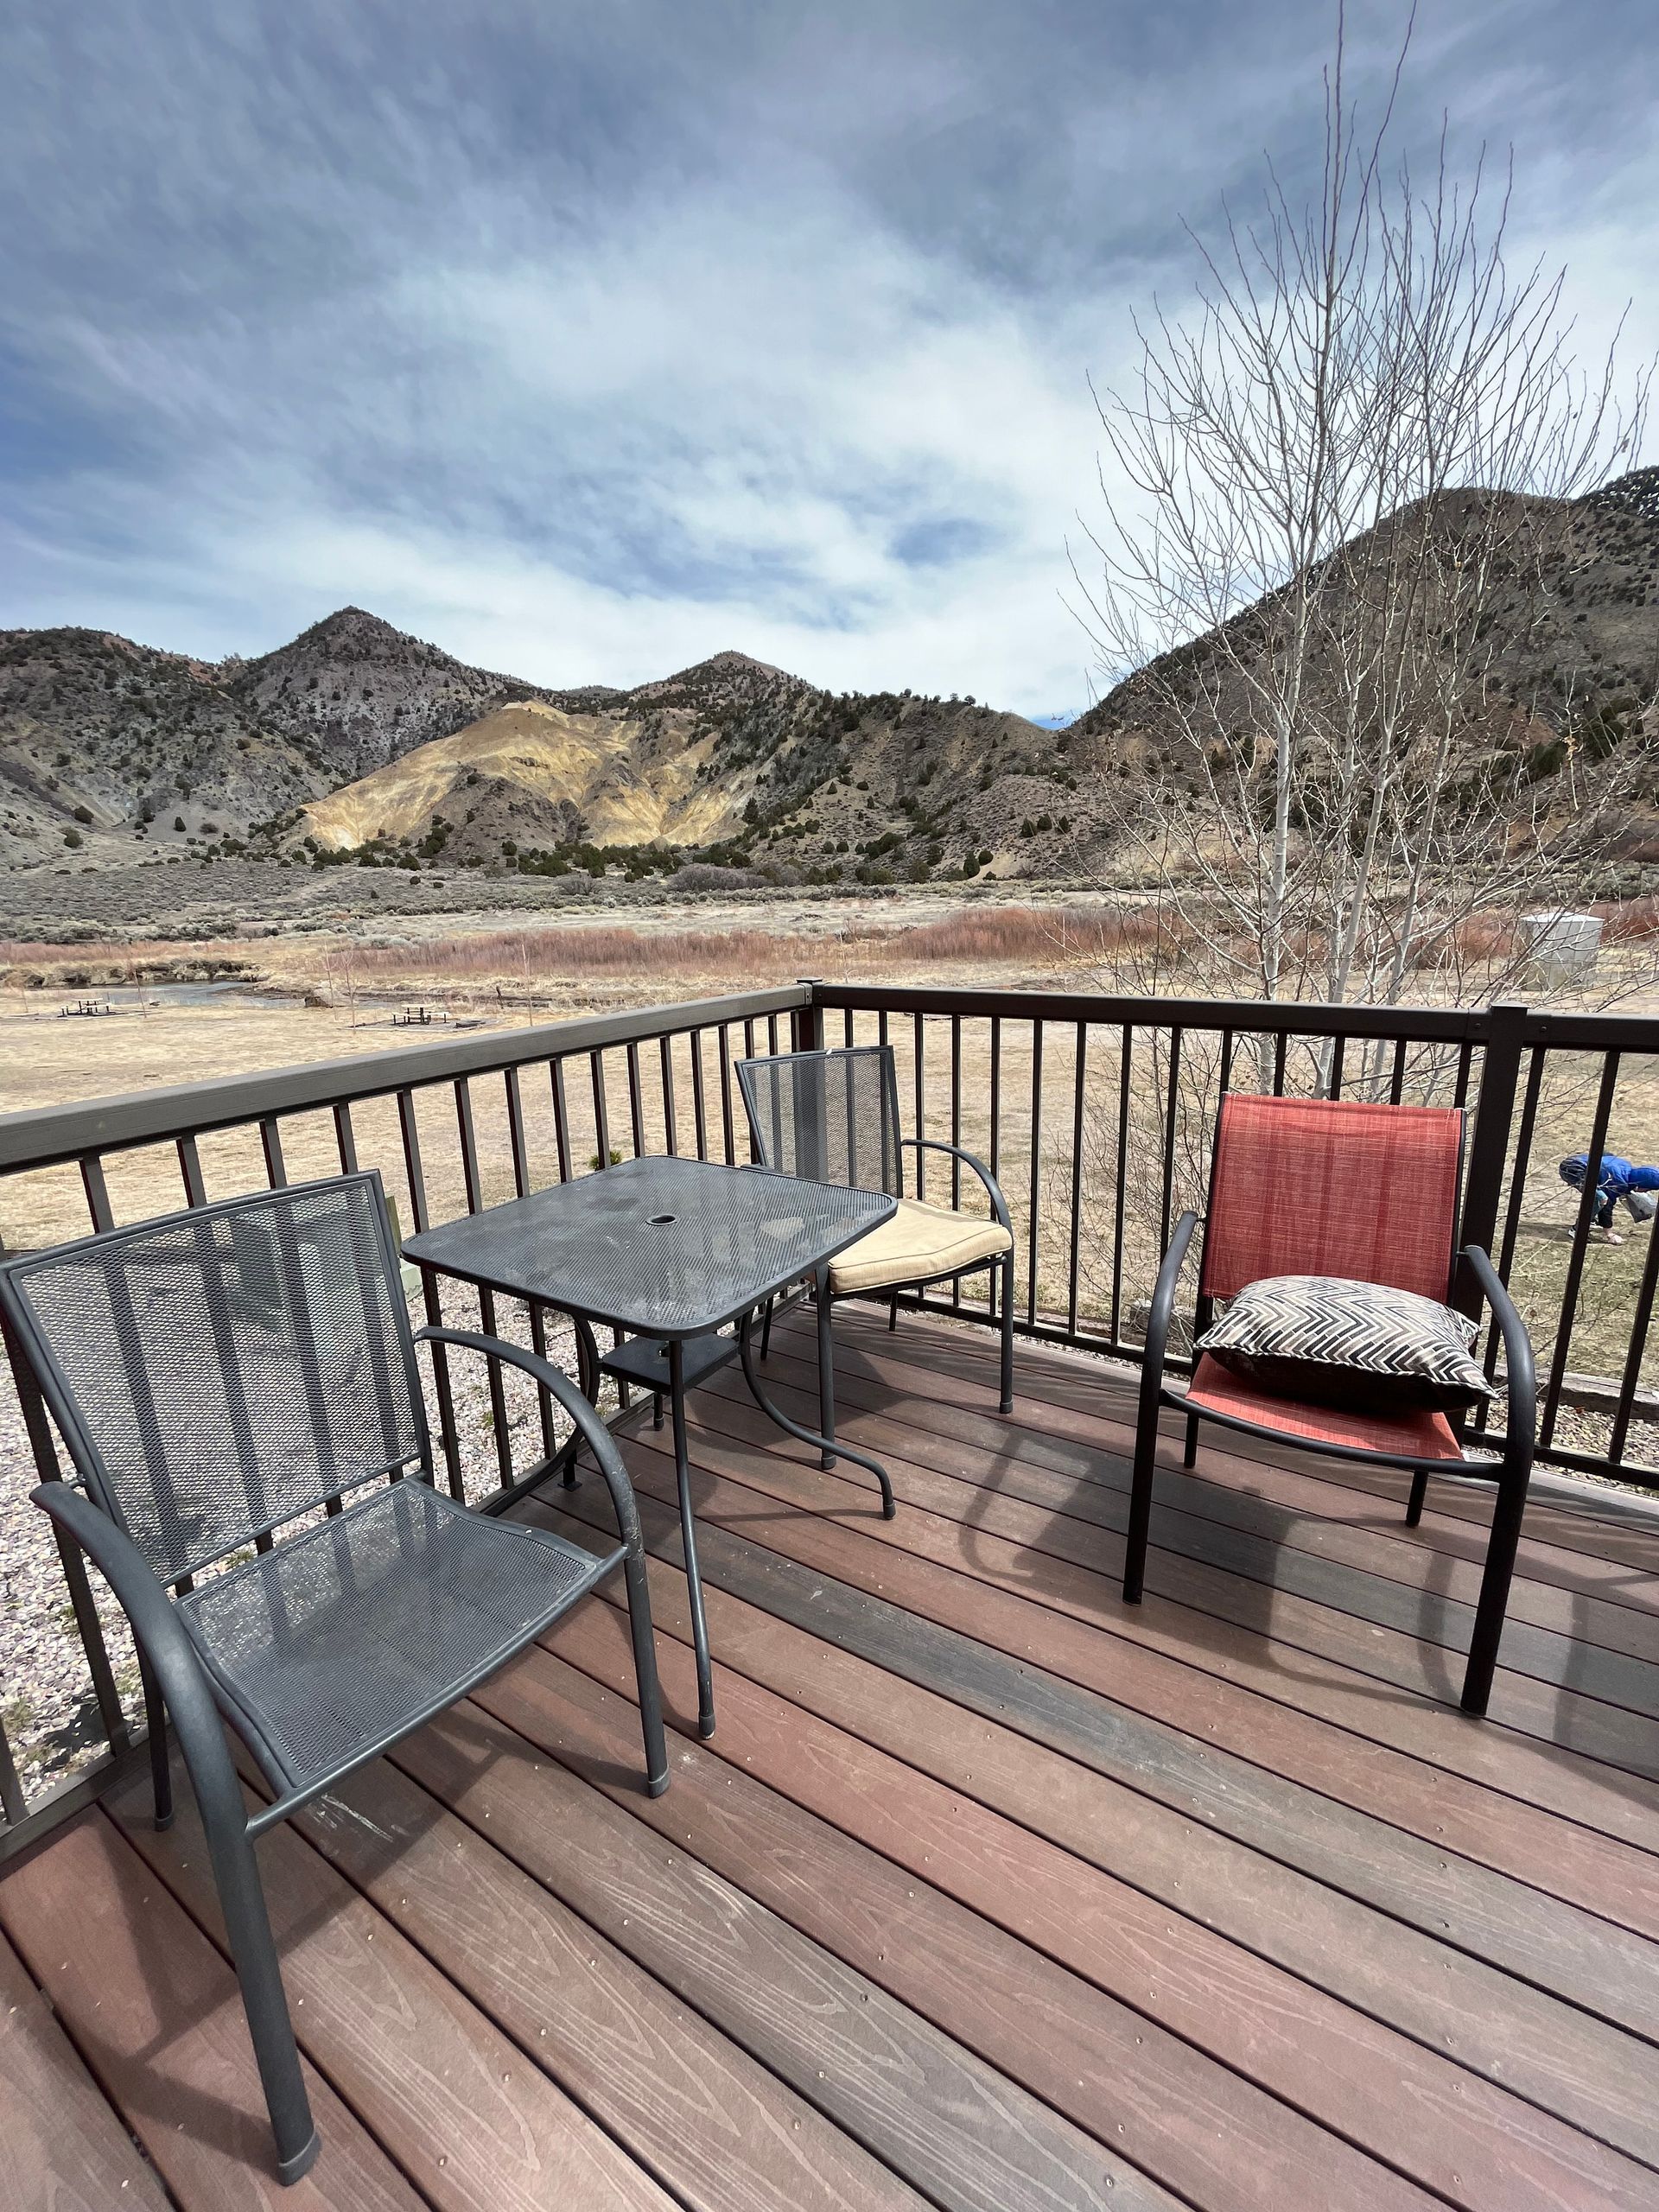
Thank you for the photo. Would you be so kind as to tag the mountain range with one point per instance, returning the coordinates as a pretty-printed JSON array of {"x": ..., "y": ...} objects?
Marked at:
[{"x": 356, "y": 741}]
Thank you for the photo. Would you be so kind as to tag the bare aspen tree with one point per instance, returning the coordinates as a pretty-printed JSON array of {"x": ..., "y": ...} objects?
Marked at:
[{"x": 1350, "y": 473}]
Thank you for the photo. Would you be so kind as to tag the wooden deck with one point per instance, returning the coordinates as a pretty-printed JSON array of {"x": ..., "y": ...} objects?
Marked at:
[{"x": 988, "y": 1893}]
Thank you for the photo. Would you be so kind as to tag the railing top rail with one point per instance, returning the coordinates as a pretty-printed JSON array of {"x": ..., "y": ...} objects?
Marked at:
[
  {"x": 1295, "y": 1017},
  {"x": 46, "y": 1136}
]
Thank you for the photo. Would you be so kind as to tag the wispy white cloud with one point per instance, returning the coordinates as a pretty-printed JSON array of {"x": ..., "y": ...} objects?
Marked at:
[{"x": 587, "y": 349}]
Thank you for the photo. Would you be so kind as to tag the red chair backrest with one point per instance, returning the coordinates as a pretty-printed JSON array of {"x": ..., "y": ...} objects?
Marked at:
[{"x": 1320, "y": 1186}]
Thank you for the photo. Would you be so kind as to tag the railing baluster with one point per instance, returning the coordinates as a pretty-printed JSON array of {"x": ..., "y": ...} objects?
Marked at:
[
  {"x": 847, "y": 1027},
  {"x": 1465, "y": 1059},
  {"x": 1080, "y": 1052},
  {"x": 636, "y": 1103},
  {"x": 271, "y": 1141},
  {"x": 1125, "y": 1060},
  {"x": 1169, "y": 1139},
  {"x": 1035, "y": 1185},
  {"x": 726, "y": 1131},
  {"x": 409, "y": 1131},
  {"x": 921, "y": 1108},
  {"x": 97, "y": 1193},
  {"x": 602, "y": 1111},
  {"x": 1580, "y": 1242},
  {"x": 771, "y": 1034},
  {"x": 1336, "y": 1067},
  {"x": 996, "y": 1092},
  {"x": 345, "y": 1137},
  {"x": 699, "y": 1104},
  {"x": 1397, "y": 1082},
  {"x": 1279, "y": 1044},
  {"x": 1630, "y": 1381},
  {"x": 520, "y": 1147},
  {"x": 956, "y": 1137},
  {"x": 560, "y": 1118},
  {"x": 670, "y": 1130},
  {"x": 475, "y": 1190},
  {"x": 195, "y": 1186}
]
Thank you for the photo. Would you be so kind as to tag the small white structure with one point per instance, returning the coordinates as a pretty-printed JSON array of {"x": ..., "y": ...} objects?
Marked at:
[{"x": 1560, "y": 945}]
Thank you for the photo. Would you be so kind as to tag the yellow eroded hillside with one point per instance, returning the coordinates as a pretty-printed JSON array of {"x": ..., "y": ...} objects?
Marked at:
[{"x": 632, "y": 781}]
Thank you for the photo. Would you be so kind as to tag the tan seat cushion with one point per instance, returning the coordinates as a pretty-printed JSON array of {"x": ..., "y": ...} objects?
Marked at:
[{"x": 918, "y": 1243}]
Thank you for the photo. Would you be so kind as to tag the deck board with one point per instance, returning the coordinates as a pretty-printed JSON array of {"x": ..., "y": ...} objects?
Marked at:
[
  {"x": 63, "y": 2146},
  {"x": 988, "y": 1893}
]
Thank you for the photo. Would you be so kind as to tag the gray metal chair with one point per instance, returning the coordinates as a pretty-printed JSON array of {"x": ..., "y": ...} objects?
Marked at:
[
  {"x": 246, "y": 1368},
  {"x": 833, "y": 1117}
]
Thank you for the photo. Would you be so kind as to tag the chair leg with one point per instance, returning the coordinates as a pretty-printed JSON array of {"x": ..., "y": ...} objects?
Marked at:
[
  {"x": 160, "y": 1770},
  {"x": 1135, "y": 1542},
  {"x": 826, "y": 1368},
  {"x": 1419, "y": 1492},
  {"x": 1005, "y": 1402},
  {"x": 1190, "y": 1454},
  {"x": 645, "y": 1673},
  {"x": 253, "y": 1953},
  {"x": 655, "y": 1408},
  {"x": 1507, "y": 1515},
  {"x": 765, "y": 1329},
  {"x": 893, "y": 1313}
]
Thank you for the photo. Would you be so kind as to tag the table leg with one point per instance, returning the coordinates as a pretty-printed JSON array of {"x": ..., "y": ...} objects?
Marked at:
[
  {"x": 821, "y": 1444},
  {"x": 826, "y": 1367},
  {"x": 688, "y": 1538}
]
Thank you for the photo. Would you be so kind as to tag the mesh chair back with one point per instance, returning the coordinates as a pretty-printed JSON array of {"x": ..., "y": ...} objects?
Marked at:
[
  {"x": 218, "y": 1372},
  {"x": 830, "y": 1117},
  {"x": 1333, "y": 1187}
]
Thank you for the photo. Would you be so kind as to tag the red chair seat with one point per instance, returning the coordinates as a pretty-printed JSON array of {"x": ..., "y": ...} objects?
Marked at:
[{"x": 1409, "y": 1435}]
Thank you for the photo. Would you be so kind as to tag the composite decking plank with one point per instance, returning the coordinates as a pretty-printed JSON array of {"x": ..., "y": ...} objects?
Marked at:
[
  {"x": 717, "y": 2128},
  {"x": 1069, "y": 1521},
  {"x": 1071, "y": 1386},
  {"x": 1415, "y": 1982},
  {"x": 157, "y": 2015},
  {"x": 1200, "y": 2130},
  {"x": 1552, "y": 1851},
  {"x": 479, "y": 2128},
  {"x": 1062, "y": 1680},
  {"x": 1471, "y": 2142},
  {"x": 1088, "y": 1480},
  {"x": 1080, "y": 1571},
  {"x": 1392, "y": 1698},
  {"x": 63, "y": 2147},
  {"x": 969, "y": 2139}
]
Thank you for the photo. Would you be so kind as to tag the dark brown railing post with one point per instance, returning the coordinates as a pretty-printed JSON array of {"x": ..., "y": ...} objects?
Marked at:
[
  {"x": 806, "y": 1023},
  {"x": 1489, "y": 1147}
]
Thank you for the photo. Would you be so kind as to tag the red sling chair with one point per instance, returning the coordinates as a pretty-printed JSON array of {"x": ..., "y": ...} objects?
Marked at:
[{"x": 1326, "y": 1187}]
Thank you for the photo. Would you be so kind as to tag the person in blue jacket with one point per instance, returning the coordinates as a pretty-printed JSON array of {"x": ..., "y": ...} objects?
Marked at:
[{"x": 1617, "y": 1179}]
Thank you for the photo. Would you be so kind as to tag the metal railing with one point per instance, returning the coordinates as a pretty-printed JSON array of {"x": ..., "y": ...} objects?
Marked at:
[{"x": 1095, "y": 1112}]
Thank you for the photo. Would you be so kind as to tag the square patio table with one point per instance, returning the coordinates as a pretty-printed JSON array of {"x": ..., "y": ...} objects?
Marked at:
[{"x": 673, "y": 1252}]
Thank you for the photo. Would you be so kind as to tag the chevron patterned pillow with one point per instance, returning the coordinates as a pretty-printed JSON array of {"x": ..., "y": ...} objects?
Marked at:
[{"x": 1360, "y": 1345}]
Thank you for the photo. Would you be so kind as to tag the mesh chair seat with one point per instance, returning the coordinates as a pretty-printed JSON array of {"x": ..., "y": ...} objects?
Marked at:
[
  {"x": 338, "y": 1641},
  {"x": 915, "y": 1244}
]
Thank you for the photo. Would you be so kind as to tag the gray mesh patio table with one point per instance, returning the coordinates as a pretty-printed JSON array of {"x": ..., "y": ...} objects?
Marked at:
[{"x": 673, "y": 1252}]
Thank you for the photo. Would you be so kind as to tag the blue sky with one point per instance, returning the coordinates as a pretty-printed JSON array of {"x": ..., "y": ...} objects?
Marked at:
[{"x": 585, "y": 341}]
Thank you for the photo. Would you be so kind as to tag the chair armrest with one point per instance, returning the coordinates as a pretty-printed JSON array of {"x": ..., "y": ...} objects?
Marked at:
[
  {"x": 993, "y": 1188},
  {"x": 1163, "y": 1305},
  {"x": 598, "y": 1438},
  {"x": 1522, "y": 1419},
  {"x": 160, "y": 1635}
]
